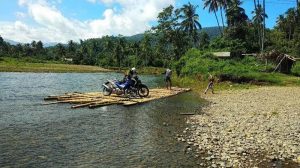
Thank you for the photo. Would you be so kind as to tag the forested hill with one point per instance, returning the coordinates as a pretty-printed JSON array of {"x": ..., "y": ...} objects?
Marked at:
[
  {"x": 12, "y": 42},
  {"x": 211, "y": 31}
]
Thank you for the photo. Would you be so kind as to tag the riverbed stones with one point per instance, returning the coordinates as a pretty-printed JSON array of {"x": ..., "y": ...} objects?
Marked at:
[{"x": 244, "y": 127}]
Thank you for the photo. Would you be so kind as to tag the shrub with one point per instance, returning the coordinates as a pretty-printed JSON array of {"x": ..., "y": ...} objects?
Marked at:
[
  {"x": 197, "y": 63},
  {"x": 296, "y": 69}
]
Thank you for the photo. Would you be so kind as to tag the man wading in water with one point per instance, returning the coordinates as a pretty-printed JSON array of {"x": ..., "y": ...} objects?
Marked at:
[{"x": 210, "y": 84}]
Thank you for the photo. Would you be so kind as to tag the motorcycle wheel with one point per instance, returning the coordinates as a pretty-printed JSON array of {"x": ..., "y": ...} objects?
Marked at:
[
  {"x": 106, "y": 91},
  {"x": 143, "y": 91}
]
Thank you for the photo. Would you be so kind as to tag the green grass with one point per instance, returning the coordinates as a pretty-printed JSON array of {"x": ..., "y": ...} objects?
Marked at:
[
  {"x": 199, "y": 85},
  {"x": 28, "y": 64},
  {"x": 296, "y": 69},
  {"x": 198, "y": 65},
  {"x": 34, "y": 65}
]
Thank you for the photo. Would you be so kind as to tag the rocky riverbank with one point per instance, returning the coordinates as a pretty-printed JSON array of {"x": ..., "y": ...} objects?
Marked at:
[{"x": 248, "y": 128}]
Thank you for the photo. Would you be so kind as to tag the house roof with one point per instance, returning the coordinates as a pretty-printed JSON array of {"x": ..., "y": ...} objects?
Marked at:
[
  {"x": 290, "y": 57},
  {"x": 222, "y": 54}
]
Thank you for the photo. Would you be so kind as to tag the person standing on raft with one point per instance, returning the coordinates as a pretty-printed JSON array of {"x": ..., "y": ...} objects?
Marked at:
[{"x": 168, "y": 74}]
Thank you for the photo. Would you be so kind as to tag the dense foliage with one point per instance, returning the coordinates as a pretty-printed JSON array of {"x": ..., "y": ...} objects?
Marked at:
[
  {"x": 179, "y": 30},
  {"x": 195, "y": 63}
]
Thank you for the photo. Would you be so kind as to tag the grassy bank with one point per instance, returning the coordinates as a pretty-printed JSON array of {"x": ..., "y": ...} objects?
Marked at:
[
  {"x": 195, "y": 66},
  {"x": 199, "y": 85},
  {"x": 34, "y": 65}
]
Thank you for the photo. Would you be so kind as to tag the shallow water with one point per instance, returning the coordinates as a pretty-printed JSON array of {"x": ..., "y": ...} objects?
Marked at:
[{"x": 33, "y": 135}]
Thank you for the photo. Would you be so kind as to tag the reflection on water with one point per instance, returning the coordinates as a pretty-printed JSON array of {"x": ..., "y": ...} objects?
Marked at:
[{"x": 32, "y": 135}]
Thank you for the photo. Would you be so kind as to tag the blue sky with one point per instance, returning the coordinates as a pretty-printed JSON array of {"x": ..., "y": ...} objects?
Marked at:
[{"x": 63, "y": 20}]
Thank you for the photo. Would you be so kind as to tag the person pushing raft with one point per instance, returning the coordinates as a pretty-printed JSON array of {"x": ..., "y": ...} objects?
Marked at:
[{"x": 210, "y": 85}]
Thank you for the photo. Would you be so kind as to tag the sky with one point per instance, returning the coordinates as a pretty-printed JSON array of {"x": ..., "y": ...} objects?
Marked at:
[{"x": 64, "y": 20}]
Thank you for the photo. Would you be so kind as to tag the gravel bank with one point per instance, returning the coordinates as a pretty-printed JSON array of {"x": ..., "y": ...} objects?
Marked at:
[{"x": 244, "y": 128}]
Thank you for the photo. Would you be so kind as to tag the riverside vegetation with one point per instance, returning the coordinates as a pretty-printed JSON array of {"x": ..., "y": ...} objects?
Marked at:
[
  {"x": 178, "y": 42},
  {"x": 169, "y": 43}
]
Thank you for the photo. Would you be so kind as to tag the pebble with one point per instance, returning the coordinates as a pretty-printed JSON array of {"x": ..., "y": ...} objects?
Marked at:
[
  {"x": 246, "y": 123},
  {"x": 298, "y": 159}
]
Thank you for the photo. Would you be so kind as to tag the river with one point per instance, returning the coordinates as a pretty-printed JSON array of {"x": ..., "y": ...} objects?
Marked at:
[{"x": 35, "y": 135}]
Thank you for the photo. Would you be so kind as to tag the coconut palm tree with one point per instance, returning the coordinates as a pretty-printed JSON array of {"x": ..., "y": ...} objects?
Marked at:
[
  {"x": 280, "y": 23},
  {"x": 213, "y": 6},
  {"x": 223, "y": 6},
  {"x": 119, "y": 50},
  {"x": 190, "y": 23},
  {"x": 235, "y": 13},
  {"x": 258, "y": 19},
  {"x": 291, "y": 19}
]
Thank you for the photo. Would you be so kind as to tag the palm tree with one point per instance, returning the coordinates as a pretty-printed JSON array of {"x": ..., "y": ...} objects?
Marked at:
[
  {"x": 281, "y": 23},
  {"x": 146, "y": 50},
  {"x": 213, "y": 6},
  {"x": 223, "y": 6},
  {"x": 119, "y": 50},
  {"x": 190, "y": 23},
  {"x": 291, "y": 19},
  {"x": 258, "y": 18},
  {"x": 235, "y": 13},
  {"x": 60, "y": 51}
]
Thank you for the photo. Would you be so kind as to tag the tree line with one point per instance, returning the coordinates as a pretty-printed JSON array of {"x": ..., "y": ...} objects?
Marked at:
[{"x": 178, "y": 30}]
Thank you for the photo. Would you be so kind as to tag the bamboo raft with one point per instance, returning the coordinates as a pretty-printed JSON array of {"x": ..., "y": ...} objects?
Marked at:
[{"x": 97, "y": 99}]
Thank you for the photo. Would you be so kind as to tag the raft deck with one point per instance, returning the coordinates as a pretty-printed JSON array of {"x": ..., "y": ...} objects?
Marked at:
[{"x": 97, "y": 99}]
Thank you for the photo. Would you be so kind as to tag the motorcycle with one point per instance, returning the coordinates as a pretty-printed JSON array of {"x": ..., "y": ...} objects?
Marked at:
[{"x": 119, "y": 88}]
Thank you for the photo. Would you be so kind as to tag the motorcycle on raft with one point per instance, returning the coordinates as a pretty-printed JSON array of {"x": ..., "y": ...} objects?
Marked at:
[{"x": 118, "y": 88}]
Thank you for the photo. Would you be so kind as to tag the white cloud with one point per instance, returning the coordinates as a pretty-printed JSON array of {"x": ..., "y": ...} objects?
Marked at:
[
  {"x": 92, "y": 1},
  {"x": 22, "y": 2},
  {"x": 52, "y": 26},
  {"x": 20, "y": 15}
]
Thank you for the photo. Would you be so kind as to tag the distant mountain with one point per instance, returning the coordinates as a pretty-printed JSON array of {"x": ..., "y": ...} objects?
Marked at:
[
  {"x": 11, "y": 42},
  {"x": 212, "y": 32},
  {"x": 50, "y": 44},
  {"x": 137, "y": 37}
]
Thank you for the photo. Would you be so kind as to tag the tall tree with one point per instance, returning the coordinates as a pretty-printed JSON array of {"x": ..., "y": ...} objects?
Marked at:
[
  {"x": 146, "y": 51},
  {"x": 258, "y": 18},
  {"x": 169, "y": 33},
  {"x": 3, "y": 47},
  {"x": 281, "y": 23},
  {"x": 291, "y": 20},
  {"x": 40, "y": 49},
  {"x": 71, "y": 46},
  {"x": 235, "y": 13},
  {"x": 213, "y": 6},
  {"x": 264, "y": 29},
  {"x": 223, "y": 5},
  {"x": 119, "y": 50},
  {"x": 237, "y": 21},
  {"x": 204, "y": 39},
  {"x": 190, "y": 20},
  {"x": 60, "y": 51}
]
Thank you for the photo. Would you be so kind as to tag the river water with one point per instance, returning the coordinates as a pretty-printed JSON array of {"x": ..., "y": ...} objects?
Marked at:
[{"x": 35, "y": 135}]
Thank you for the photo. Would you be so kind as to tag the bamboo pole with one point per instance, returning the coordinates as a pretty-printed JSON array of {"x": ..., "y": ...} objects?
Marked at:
[{"x": 97, "y": 99}]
